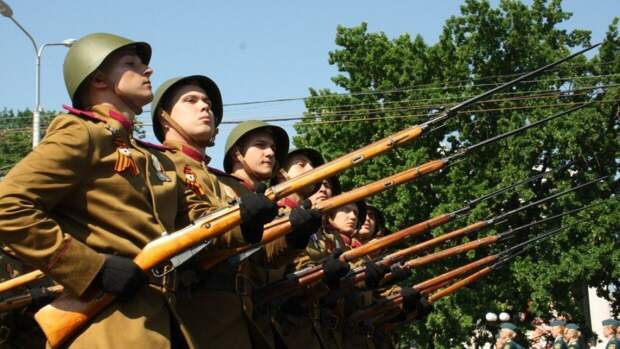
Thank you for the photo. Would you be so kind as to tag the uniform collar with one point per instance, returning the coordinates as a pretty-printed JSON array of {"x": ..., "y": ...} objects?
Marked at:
[
  {"x": 288, "y": 202},
  {"x": 247, "y": 184},
  {"x": 108, "y": 111},
  {"x": 189, "y": 151}
]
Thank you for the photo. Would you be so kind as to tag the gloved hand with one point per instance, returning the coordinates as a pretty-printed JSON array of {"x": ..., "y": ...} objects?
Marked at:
[
  {"x": 374, "y": 274},
  {"x": 424, "y": 308},
  {"x": 121, "y": 277},
  {"x": 334, "y": 269},
  {"x": 256, "y": 211},
  {"x": 305, "y": 222},
  {"x": 411, "y": 299},
  {"x": 399, "y": 273},
  {"x": 40, "y": 297}
]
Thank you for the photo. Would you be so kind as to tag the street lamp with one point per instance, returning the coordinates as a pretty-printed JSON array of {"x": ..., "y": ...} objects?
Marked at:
[{"x": 6, "y": 11}]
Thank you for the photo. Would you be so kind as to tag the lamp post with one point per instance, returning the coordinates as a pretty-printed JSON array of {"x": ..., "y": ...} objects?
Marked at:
[{"x": 6, "y": 11}]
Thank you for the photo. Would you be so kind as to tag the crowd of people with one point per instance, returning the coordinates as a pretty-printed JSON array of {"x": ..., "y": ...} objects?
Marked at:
[{"x": 558, "y": 334}]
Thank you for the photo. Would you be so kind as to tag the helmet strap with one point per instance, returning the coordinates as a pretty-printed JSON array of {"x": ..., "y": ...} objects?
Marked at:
[
  {"x": 175, "y": 125},
  {"x": 251, "y": 173}
]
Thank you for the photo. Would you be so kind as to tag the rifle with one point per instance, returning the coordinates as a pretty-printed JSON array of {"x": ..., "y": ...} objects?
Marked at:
[
  {"x": 25, "y": 299},
  {"x": 477, "y": 226},
  {"x": 67, "y": 314},
  {"x": 314, "y": 273},
  {"x": 282, "y": 226},
  {"x": 437, "y": 282},
  {"x": 21, "y": 280}
]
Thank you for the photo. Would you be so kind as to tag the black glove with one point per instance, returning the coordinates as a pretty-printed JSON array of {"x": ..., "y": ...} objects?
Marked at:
[
  {"x": 411, "y": 299},
  {"x": 424, "y": 308},
  {"x": 334, "y": 269},
  {"x": 40, "y": 296},
  {"x": 256, "y": 211},
  {"x": 121, "y": 277},
  {"x": 399, "y": 273},
  {"x": 305, "y": 223},
  {"x": 374, "y": 274}
]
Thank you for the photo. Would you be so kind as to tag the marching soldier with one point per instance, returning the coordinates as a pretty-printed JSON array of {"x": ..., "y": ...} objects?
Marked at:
[
  {"x": 557, "y": 330},
  {"x": 572, "y": 336},
  {"x": 186, "y": 113},
  {"x": 254, "y": 151},
  {"x": 609, "y": 331},
  {"x": 508, "y": 333},
  {"x": 373, "y": 226},
  {"x": 86, "y": 200},
  {"x": 293, "y": 321}
]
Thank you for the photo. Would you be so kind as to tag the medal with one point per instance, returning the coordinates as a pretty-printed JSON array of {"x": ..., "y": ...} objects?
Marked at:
[
  {"x": 159, "y": 169},
  {"x": 190, "y": 181},
  {"x": 124, "y": 161}
]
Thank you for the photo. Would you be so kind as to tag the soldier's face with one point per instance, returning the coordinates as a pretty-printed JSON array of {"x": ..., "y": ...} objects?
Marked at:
[
  {"x": 297, "y": 165},
  {"x": 344, "y": 219},
  {"x": 129, "y": 77},
  {"x": 191, "y": 109},
  {"x": 608, "y": 331},
  {"x": 369, "y": 228},
  {"x": 324, "y": 193},
  {"x": 260, "y": 153},
  {"x": 557, "y": 330}
]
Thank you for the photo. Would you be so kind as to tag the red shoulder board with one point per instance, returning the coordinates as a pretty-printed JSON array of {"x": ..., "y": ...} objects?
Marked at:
[
  {"x": 159, "y": 147},
  {"x": 83, "y": 113}
]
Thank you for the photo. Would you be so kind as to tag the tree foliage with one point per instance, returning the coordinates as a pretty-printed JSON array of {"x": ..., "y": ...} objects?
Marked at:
[{"x": 395, "y": 83}]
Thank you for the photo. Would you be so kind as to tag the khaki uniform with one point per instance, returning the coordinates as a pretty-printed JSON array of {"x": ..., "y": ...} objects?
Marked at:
[
  {"x": 87, "y": 189},
  {"x": 208, "y": 303}
]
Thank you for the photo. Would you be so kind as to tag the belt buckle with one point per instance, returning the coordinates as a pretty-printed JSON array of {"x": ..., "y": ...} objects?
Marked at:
[{"x": 243, "y": 285}]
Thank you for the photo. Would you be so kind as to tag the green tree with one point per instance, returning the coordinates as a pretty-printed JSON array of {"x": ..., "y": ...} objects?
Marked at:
[
  {"x": 394, "y": 83},
  {"x": 16, "y": 136}
]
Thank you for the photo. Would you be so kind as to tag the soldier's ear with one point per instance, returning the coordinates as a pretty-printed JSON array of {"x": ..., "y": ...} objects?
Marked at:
[{"x": 98, "y": 80}]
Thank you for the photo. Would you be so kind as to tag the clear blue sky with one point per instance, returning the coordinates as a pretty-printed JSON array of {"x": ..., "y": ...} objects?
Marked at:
[{"x": 254, "y": 50}]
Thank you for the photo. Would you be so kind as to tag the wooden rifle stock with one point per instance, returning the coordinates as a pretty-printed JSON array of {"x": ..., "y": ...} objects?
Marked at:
[
  {"x": 425, "y": 287},
  {"x": 21, "y": 280},
  {"x": 281, "y": 227},
  {"x": 459, "y": 284},
  {"x": 381, "y": 243},
  {"x": 67, "y": 314},
  {"x": 25, "y": 299}
]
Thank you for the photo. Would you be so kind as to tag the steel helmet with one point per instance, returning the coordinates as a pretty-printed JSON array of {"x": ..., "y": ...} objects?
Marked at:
[
  {"x": 280, "y": 138},
  {"x": 164, "y": 91},
  {"x": 87, "y": 54}
]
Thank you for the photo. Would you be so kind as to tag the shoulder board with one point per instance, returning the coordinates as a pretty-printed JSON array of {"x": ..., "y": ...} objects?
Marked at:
[
  {"x": 159, "y": 147},
  {"x": 84, "y": 114}
]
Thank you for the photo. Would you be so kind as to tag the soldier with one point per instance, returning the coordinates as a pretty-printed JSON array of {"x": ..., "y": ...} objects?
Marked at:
[
  {"x": 186, "y": 113},
  {"x": 373, "y": 226},
  {"x": 557, "y": 331},
  {"x": 254, "y": 151},
  {"x": 609, "y": 331},
  {"x": 572, "y": 336},
  {"x": 508, "y": 333},
  {"x": 293, "y": 321},
  {"x": 89, "y": 197}
]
